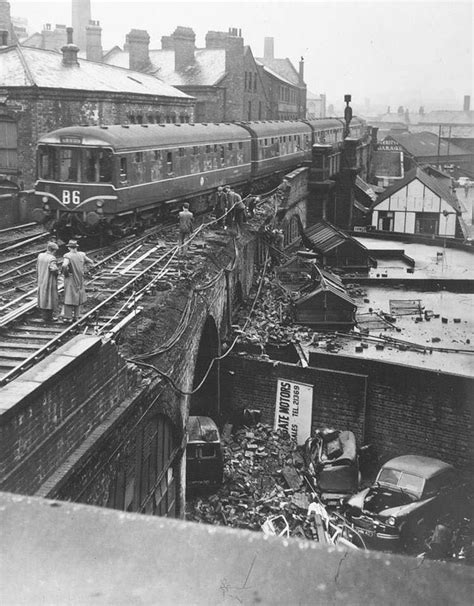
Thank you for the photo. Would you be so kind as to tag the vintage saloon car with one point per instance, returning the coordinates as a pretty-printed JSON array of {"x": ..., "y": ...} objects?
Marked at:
[{"x": 400, "y": 510}]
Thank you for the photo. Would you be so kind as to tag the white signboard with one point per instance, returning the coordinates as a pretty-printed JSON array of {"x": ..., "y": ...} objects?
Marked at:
[{"x": 294, "y": 403}]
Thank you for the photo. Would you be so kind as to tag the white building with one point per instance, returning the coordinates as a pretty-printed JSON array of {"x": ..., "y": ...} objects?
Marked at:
[{"x": 419, "y": 204}]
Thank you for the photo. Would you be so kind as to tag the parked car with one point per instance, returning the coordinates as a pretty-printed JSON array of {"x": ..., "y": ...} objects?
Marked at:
[
  {"x": 332, "y": 460},
  {"x": 402, "y": 508},
  {"x": 204, "y": 459}
]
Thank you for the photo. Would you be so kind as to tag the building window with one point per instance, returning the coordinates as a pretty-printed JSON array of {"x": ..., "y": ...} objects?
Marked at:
[
  {"x": 8, "y": 145},
  {"x": 250, "y": 80},
  {"x": 169, "y": 162},
  {"x": 259, "y": 110},
  {"x": 255, "y": 82},
  {"x": 139, "y": 119},
  {"x": 250, "y": 110},
  {"x": 245, "y": 83}
]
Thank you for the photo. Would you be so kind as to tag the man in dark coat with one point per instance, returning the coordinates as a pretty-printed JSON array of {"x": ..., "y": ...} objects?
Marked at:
[
  {"x": 220, "y": 206},
  {"x": 47, "y": 274},
  {"x": 186, "y": 223},
  {"x": 73, "y": 269}
]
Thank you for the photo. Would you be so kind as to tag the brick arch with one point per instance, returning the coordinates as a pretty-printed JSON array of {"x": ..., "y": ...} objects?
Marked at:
[
  {"x": 206, "y": 400},
  {"x": 291, "y": 226}
]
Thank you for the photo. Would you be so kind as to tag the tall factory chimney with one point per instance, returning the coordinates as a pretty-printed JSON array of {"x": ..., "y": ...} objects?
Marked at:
[{"x": 81, "y": 16}]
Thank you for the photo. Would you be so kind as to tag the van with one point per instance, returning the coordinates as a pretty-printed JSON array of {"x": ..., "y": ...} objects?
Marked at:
[{"x": 204, "y": 459}]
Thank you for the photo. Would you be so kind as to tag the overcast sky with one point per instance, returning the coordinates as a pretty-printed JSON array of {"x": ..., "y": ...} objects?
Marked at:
[{"x": 394, "y": 53}]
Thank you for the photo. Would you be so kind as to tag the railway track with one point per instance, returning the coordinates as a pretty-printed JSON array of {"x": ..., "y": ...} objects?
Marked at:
[{"x": 115, "y": 291}]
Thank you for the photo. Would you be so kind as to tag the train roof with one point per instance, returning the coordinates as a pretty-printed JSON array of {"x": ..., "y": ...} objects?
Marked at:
[
  {"x": 277, "y": 127},
  {"x": 325, "y": 123},
  {"x": 133, "y": 136}
]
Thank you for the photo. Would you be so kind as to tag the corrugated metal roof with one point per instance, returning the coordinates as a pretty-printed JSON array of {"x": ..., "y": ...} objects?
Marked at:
[
  {"x": 325, "y": 236},
  {"x": 435, "y": 185},
  {"x": 207, "y": 70},
  {"x": 426, "y": 144},
  {"x": 24, "y": 66}
]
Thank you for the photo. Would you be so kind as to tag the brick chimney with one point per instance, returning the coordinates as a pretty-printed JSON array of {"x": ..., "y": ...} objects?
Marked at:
[
  {"x": 184, "y": 45},
  {"x": 301, "y": 72},
  {"x": 167, "y": 43},
  {"x": 268, "y": 48},
  {"x": 467, "y": 103},
  {"x": 70, "y": 50},
  {"x": 94, "y": 41},
  {"x": 138, "y": 42},
  {"x": 6, "y": 27},
  {"x": 60, "y": 36}
]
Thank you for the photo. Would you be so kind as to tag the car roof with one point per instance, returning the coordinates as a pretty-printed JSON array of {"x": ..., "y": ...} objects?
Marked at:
[
  {"x": 425, "y": 467},
  {"x": 200, "y": 429}
]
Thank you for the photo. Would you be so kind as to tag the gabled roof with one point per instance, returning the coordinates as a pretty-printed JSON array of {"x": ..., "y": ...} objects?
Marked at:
[
  {"x": 426, "y": 144},
  {"x": 325, "y": 237},
  {"x": 437, "y": 186},
  {"x": 326, "y": 285},
  {"x": 23, "y": 66},
  {"x": 387, "y": 163},
  {"x": 282, "y": 69},
  {"x": 208, "y": 68}
]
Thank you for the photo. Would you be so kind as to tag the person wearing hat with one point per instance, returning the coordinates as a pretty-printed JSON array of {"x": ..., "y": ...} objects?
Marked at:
[
  {"x": 47, "y": 274},
  {"x": 73, "y": 268}
]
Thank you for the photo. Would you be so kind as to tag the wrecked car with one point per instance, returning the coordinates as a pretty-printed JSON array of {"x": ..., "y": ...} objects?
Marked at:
[
  {"x": 204, "y": 459},
  {"x": 410, "y": 495},
  {"x": 333, "y": 462}
]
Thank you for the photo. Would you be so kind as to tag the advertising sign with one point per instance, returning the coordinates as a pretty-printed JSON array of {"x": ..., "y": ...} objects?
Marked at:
[{"x": 294, "y": 403}]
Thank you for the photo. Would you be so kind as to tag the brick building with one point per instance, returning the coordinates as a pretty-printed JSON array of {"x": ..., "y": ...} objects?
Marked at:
[
  {"x": 285, "y": 86},
  {"x": 224, "y": 76},
  {"x": 43, "y": 90}
]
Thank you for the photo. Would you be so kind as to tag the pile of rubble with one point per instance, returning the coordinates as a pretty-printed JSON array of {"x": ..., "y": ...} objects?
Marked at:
[{"x": 262, "y": 479}]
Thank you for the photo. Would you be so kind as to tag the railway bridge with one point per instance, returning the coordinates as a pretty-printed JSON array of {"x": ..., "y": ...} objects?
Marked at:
[{"x": 102, "y": 420}]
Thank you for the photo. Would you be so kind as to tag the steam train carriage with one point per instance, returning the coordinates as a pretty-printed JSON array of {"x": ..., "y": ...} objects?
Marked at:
[{"x": 105, "y": 179}]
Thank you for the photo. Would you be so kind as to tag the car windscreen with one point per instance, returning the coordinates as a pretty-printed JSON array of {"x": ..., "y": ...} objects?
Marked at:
[{"x": 401, "y": 480}]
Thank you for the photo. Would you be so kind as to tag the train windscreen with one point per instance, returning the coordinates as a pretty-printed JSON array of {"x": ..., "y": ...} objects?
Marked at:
[{"x": 74, "y": 164}]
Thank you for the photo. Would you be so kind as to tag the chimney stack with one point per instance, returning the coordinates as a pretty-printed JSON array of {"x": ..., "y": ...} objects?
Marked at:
[
  {"x": 94, "y": 42},
  {"x": 70, "y": 50},
  {"x": 6, "y": 26},
  {"x": 268, "y": 48},
  {"x": 301, "y": 72},
  {"x": 467, "y": 103},
  {"x": 184, "y": 44},
  {"x": 138, "y": 42}
]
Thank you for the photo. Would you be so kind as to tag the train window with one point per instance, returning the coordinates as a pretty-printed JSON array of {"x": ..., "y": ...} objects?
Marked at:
[
  {"x": 69, "y": 164},
  {"x": 195, "y": 150},
  {"x": 181, "y": 152},
  {"x": 138, "y": 158},
  {"x": 158, "y": 118},
  {"x": 229, "y": 146},
  {"x": 169, "y": 162},
  {"x": 215, "y": 147},
  {"x": 97, "y": 166},
  {"x": 139, "y": 119},
  {"x": 123, "y": 170},
  {"x": 208, "y": 149},
  {"x": 241, "y": 144},
  {"x": 151, "y": 119},
  {"x": 156, "y": 155},
  {"x": 266, "y": 142},
  {"x": 222, "y": 154}
]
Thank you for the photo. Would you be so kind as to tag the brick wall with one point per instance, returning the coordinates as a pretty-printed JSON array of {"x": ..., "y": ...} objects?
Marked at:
[
  {"x": 47, "y": 412},
  {"x": 338, "y": 397},
  {"x": 412, "y": 410},
  {"x": 397, "y": 409}
]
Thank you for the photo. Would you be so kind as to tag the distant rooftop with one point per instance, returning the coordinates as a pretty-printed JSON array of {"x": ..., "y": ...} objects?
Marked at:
[{"x": 426, "y": 144}]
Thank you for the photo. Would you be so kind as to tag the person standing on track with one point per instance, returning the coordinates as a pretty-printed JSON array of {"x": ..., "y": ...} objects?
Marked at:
[
  {"x": 73, "y": 269},
  {"x": 186, "y": 223},
  {"x": 47, "y": 274},
  {"x": 220, "y": 206}
]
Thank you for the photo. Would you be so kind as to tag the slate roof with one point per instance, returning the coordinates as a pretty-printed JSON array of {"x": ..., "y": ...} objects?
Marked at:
[
  {"x": 326, "y": 285},
  {"x": 24, "y": 66},
  {"x": 425, "y": 144},
  {"x": 208, "y": 68},
  {"x": 437, "y": 186},
  {"x": 387, "y": 163},
  {"x": 325, "y": 237},
  {"x": 282, "y": 69}
]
